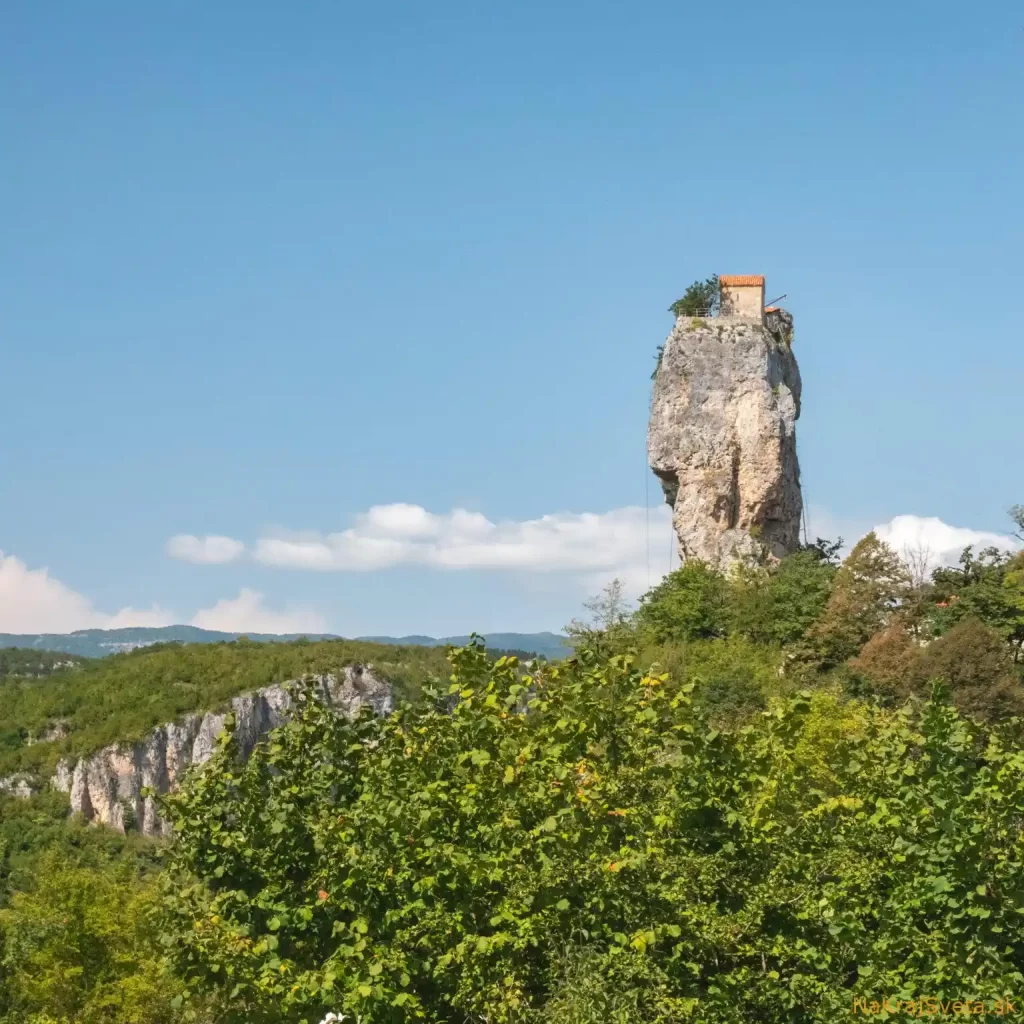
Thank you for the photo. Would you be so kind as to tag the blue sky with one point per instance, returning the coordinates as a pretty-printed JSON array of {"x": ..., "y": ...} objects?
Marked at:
[{"x": 264, "y": 267}]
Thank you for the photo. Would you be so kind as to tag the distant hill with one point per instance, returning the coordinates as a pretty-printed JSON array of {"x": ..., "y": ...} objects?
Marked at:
[
  {"x": 551, "y": 645},
  {"x": 97, "y": 643}
]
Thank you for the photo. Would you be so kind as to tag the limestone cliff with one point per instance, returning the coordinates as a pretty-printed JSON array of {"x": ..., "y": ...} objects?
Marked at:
[
  {"x": 106, "y": 787},
  {"x": 722, "y": 436}
]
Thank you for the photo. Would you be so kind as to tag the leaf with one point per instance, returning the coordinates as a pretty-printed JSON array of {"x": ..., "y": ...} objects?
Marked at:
[{"x": 510, "y": 775}]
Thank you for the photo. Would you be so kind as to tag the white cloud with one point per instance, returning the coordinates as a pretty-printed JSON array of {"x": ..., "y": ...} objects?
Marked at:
[
  {"x": 822, "y": 523},
  {"x": 578, "y": 551},
  {"x": 909, "y": 536},
  {"x": 32, "y": 601},
  {"x": 155, "y": 616},
  {"x": 211, "y": 550},
  {"x": 937, "y": 542},
  {"x": 247, "y": 614},
  {"x": 629, "y": 543},
  {"x": 401, "y": 534}
]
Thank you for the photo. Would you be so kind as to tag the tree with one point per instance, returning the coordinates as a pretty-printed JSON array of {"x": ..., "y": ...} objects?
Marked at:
[
  {"x": 972, "y": 660},
  {"x": 889, "y": 664},
  {"x": 610, "y": 607},
  {"x": 988, "y": 586},
  {"x": 608, "y": 624},
  {"x": 579, "y": 845},
  {"x": 1017, "y": 515},
  {"x": 777, "y": 604},
  {"x": 702, "y": 297},
  {"x": 688, "y": 604},
  {"x": 80, "y": 947},
  {"x": 869, "y": 586}
]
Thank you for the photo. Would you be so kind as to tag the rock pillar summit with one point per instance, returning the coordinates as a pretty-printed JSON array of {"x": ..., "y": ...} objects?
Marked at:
[{"x": 722, "y": 433}]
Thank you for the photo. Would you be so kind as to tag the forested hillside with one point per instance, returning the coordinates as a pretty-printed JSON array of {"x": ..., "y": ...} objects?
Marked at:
[
  {"x": 761, "y": 795},
  {"x": 15, "y": 661},
  {"x": 124, "y": 696},
  {"x": 101, "y": 643}
]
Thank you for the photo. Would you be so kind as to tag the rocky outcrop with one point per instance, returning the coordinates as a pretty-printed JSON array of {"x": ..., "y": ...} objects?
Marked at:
[
  {"x": 107, "y": 787},
  {"x": 19, "y": 785},
  {"x": 722, "y": 436}
]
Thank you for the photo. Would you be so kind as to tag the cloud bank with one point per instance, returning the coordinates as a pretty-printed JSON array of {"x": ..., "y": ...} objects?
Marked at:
[
  {"x": 205, "y": 550},
  {"x": 400, "y": 534},
  {"x": 247, "y": 614},
  {"x": 33, "y": 601},
  {"x": 632, "y": 543},
  {"x": 575, "y": 551},
  {"x": 937, "y": 543}
]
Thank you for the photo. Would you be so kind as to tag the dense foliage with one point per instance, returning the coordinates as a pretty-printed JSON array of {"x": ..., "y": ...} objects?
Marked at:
[
  {"x": 22, "y": 661},
  {"x": 582, "y": 845},
  {"x": 76, "y": 936},
  {"x": 702, "y": 297}
]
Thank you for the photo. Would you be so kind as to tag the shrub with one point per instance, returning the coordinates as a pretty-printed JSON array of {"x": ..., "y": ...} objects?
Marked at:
[
  {"x": 972, "y": 660},
  {"x": 79, "y": 946},
  {"x": 581, "y": 843},
  {"x": 700, "y": 297},
  {"x": 868, "y": 588},
  {"x": 779, "y": 604},
  {"x": 689, "y": 604},
  {"x": 889, "y": 664}
]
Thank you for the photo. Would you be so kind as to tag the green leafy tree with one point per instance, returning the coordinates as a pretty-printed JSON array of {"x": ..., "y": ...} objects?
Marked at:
[
  {"x": 79, "y": 948},
  {"x": 778, "y": 604},
  {"x": 869, "y": 586},
  {"x": 580, "y": 845},
  {"x": 690, "y": 603},
  {"x": 971, "y": 660},
  {"x": 989, "y": 587},
  {"x": 700, "y": 297}
]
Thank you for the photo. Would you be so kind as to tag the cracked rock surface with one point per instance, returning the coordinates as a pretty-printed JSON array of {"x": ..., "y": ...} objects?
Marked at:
[{"x": 722, "y": 437}]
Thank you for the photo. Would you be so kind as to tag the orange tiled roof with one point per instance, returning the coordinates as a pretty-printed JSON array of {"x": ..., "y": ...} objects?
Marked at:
[
  {"x": 772, "y": 309},
  {"x": 734, "y": 280}
]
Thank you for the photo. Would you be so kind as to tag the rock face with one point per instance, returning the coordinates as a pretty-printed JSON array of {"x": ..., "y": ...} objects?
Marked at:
[
  {"x": 722, "y": 436},
  {"x": 17, "y": 785},
  {"x": 106, "y": 787}
]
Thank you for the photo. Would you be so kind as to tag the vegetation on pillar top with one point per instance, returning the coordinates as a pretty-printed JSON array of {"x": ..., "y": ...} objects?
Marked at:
[{"x": 701, "y": 297}]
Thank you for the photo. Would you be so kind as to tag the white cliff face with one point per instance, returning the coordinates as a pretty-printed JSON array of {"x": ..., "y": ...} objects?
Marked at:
[
  {"x": 722, "y": 437},
  {"x": 17, "y": 785},
  {"x": 107, "y": 786}
]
